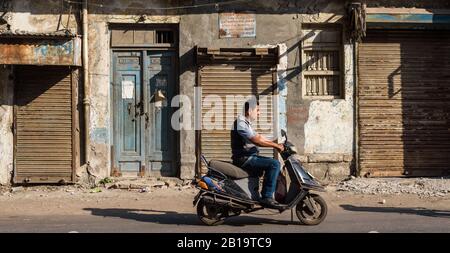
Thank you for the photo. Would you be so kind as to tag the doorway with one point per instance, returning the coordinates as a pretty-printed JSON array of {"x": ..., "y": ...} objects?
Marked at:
[{"x": 144, "y": 84}]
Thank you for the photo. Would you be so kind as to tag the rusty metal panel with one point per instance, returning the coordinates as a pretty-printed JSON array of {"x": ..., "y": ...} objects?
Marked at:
[
  {"x": 229, "y": 75},
  {"x": 404, "y": 103},
  {"x": 408, "y": 18},
  {"x": 44, "y": 148},
  {"x": 29, "y": 34},
  {"x": 65, "y": 52},
  {"x": 237, "y": 25}
]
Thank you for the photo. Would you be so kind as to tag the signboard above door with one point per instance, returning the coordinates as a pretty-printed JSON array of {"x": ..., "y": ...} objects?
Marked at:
[{"x": 237, "y": 25}]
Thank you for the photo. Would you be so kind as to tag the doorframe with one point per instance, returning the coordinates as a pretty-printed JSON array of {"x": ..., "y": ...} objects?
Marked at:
[{"x": 115, "y": 169}]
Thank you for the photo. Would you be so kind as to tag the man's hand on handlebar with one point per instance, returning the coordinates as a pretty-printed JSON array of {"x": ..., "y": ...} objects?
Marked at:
[{"x": 280, "y": 148}]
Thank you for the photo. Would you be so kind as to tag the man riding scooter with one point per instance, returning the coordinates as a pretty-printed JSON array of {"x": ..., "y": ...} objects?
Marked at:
[{"x": 244, "y": 145}]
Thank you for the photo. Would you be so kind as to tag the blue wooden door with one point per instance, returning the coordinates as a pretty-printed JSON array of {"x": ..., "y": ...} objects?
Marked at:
[
  {"x": 159, "y": 91},
  {"x": 128, "y": 108}
]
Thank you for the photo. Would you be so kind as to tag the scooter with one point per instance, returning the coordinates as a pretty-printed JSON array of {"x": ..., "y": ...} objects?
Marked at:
[{"x": 227, "y": 190}]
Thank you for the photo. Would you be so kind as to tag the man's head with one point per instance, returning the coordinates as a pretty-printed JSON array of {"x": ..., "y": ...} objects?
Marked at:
[{"x": 251, "y": 109}]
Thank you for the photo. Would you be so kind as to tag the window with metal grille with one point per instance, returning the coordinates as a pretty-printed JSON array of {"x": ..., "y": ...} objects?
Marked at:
[
  {"x": 163, "y": 37},
  {"x": 322, "y": 62}
]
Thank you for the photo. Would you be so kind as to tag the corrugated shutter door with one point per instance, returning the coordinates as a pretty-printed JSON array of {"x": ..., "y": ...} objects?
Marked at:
[
  {"x": 43, "y": 115},
  {"x": 251, "y": 75},
  {"x": 404, "y": 103}
]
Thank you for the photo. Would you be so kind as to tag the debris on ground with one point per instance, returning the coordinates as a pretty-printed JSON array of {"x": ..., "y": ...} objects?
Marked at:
[
  {"x": 145, "y": 189},
  {"x": 16, "y": 189},
  {"x": 146, "y": 184},
  {"x": 423, "y": 187},
  {"x": 106, "y": 180},
  {"x": 96, "y": 190}
]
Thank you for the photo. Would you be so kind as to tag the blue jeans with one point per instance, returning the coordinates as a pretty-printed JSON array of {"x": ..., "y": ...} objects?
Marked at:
[{"x": 256, "y": 164}]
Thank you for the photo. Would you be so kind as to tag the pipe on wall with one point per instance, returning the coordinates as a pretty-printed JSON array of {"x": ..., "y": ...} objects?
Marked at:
[
  {"x": 86, "y": 100},
  {"x": 356, "y": 168}
]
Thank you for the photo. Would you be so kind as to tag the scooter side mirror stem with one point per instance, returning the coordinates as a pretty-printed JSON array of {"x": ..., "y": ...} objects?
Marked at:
[
  {"x": 203, "y": 158},
  {"x": 283, "y": 134}
]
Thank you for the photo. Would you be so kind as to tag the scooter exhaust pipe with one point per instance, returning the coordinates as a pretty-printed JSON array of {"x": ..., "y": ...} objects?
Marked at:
[{"x": 223, "y": 202}]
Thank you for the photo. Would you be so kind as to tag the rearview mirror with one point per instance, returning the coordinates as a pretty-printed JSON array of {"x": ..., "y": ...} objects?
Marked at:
[{"x": 283, "y": 134}]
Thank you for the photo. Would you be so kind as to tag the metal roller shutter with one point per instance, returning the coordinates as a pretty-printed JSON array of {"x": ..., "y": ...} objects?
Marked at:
[
  {"x": 237, "y": 76},
  {"x": 404, "y": 103},
  {"x": 43, "y": 125}
]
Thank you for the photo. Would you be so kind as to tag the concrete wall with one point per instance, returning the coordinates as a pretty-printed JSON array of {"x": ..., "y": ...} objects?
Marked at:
[
  {"x": 271, "y": 30},
  {"x": 316, "y": 127},
  {"x": 29, "y": 16},
  {"x": 277, "y": 23},
  {"x": 322, "y": 129},
  {"x": 6, "y": 120},
  {"x": 41, "y": 16},
  {"x": 101, "y": 120}
]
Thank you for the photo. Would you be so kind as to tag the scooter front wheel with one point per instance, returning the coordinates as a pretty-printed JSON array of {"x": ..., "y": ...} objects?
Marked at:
[
  {"x": 209, "y": 213},
  {"x": 311, "y": 210}
]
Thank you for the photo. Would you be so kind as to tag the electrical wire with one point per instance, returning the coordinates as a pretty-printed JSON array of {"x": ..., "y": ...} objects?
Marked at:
[{"x": 165, "y": 8}]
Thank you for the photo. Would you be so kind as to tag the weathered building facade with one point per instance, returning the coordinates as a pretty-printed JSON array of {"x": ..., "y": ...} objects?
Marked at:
[{"x": 343, "y": 104}]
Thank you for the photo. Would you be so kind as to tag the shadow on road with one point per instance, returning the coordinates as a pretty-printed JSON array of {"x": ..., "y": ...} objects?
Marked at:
[
  {"x": 175, "y": 218},
  {"x": 401, "y": 210}
]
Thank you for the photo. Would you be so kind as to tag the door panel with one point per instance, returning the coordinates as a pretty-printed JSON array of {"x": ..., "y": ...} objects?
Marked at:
[
  {"x": 130, "y": 129},
  {"x": 128, "y": 110},
  {"x": 160, "y": 90}
]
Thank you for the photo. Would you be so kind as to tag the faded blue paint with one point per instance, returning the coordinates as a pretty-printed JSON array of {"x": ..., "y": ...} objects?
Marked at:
[
  {"x": 99, "y": 135},
  {"x": 283, "y": 121},
  {"x": 128, "y": 123},
  {"x": 160, "y": 68},
  {"x": 282, "y": 104},
  {"x": 282, "y": 87},
  {"x": 46, "y": 52},
  {"x": 52, "y": 49},
  {"x": 143, "y": 135},
  {"x": 282, "y": 101},
  {"x": 408, "y": 18}
]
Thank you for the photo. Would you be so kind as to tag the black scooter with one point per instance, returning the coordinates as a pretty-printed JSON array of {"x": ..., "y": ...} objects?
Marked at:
[{"x": 227, "y": 190}]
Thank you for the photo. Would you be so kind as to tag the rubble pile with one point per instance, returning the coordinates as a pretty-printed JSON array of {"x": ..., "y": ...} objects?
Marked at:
[
  {"x": 423, "y": 187},
  {"x": 142, "y": 185},
  {"x": 148, "y": 184}
]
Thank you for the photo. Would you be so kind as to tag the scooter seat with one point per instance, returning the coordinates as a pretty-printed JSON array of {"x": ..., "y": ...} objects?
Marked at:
[{"x": 228, "y": 169}]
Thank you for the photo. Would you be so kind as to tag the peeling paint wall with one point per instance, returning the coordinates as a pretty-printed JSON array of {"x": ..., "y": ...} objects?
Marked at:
[
  {"x": 99, "y": 76},
  {"x": 271, "y": 29},
  {"x": 322, "y": 130},
  {"x": 101, "y": 117},
  {"x": 6, "y": 120},
  {"x": 26, "y": 16},
  {"x": 42, "y": 16},
  {"x": 329, "y": 128},
  {"x": 278, "y": 23},
  {"x": 329, "y": 131}
]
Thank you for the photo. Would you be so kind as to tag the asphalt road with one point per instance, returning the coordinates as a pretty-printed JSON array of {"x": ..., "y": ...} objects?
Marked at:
[{"x": 342, "y": 218}]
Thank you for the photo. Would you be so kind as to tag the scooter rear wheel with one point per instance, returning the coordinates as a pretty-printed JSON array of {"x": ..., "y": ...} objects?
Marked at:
[
  {"x": 210, "y": 214},
  {"x": 306, "y": 216}
]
